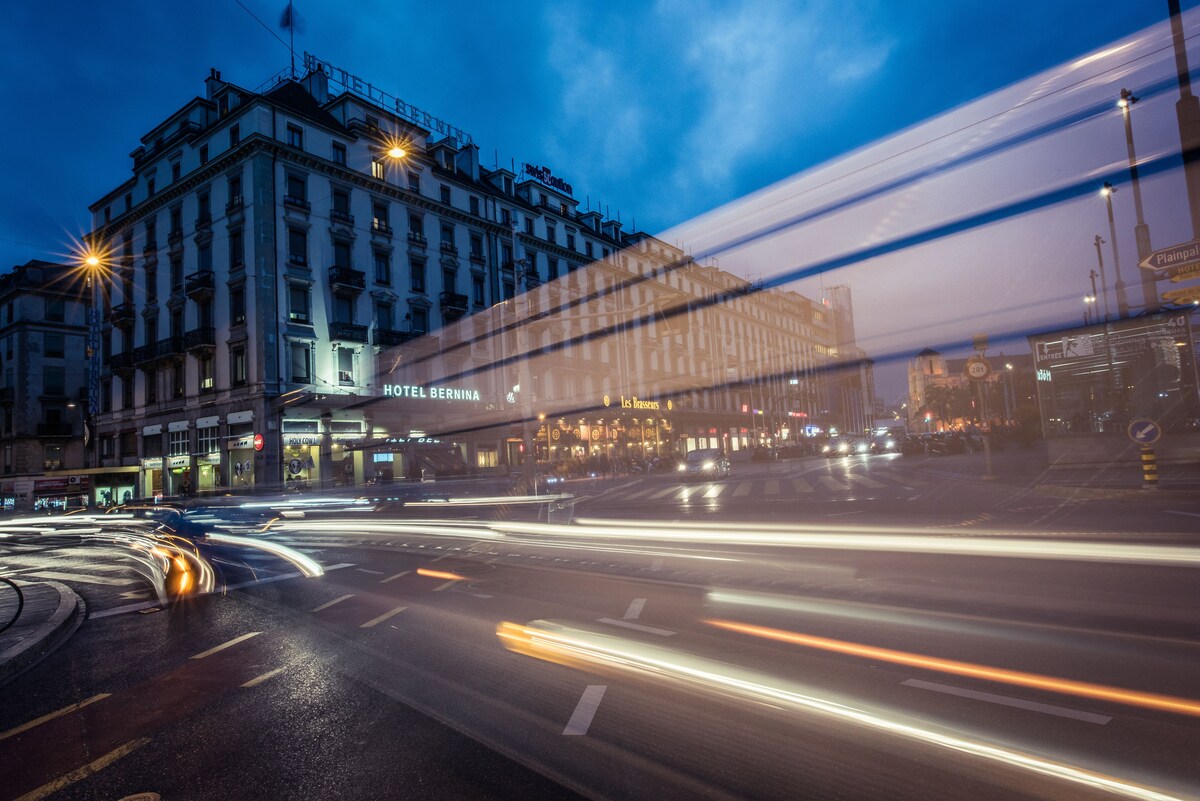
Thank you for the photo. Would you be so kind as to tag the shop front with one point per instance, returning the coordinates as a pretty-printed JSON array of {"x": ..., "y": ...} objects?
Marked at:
[
  {"x": 61, "y": 494},
  {"x": 241, "y": 446}
]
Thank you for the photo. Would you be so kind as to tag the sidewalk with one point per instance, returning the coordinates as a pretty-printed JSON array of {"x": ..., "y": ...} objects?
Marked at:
[
  {"x": 1030, "y": 468},
  {"x": 50, "y": 614}
]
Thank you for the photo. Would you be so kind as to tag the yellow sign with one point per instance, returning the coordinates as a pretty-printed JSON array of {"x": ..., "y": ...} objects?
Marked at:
[
  {"x": 1187, "y": 294},
  {"x": 607, "y": 401},
  {"x": 1185, "y": 273}
]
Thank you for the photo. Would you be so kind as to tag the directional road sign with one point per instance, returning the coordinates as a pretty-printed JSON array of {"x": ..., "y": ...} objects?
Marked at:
[
  {"x": 1174, "y": 256},
  {"x": 1144, "y": 432}
]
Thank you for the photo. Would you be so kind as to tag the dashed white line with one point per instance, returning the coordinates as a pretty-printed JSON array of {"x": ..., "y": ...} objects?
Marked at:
[
  {"x": 383, "y": 617},
  {"x": 393, "y": 578},
  {"x": 635, "y": 609},
  {"x": 260, "y": 679},
  {"x": 334, "y": 601},
  {"x": 446, "y": 586},
  {"x": 66, "y": 710},
  {"x": 585, "y": 710},
  {"x": 1188, "y": 514},
  {"x": 376, "y": 572},
  {"x": 1007, "y": 700},
  {"x": 225, "y": 645},
  {"x": 637, "y": 626}
]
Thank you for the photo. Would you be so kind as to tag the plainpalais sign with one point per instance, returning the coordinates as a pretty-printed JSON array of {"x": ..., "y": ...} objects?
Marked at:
[{"x": 431, "y": 393}]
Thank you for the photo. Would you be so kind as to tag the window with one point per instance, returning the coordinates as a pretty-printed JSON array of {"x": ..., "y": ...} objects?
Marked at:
[
  {"x": 53, "y": 345},
  {"x": 151, "y": 234},
  {"x": 204, "y": 258},
  {"x": 551, "y": 268},
  {"x": 235, "y": 135},
  {"x": 383, "y": 316},
  {"x": 176, "y": 272},
  {"x": 107, "y": 214},
  {"x": 508, "y": 290},
  {"x": 152, "y": 386},
  {"x": 54, "y": 381},
  {"x": 379, "y": 212},
  {"x": 448, "y": 234},
  {"x": 203, "y": 209},
  {"x": 176, "y": 170},
  {"x": 127, "y": 393},
  {"x": 416, "y": 225},
  {"x": 149, "y": 187},
  {"x": 298, "y": 303},
  {"x": 477, "y": 289},
  {"x": 238, "y": 368},
  {"x": 420, "y": 320},
  {"x": 345, "y": 357},
  {"x": 295, "y": 136},
  {"x": 204, "y": 313},
  {"x": 529, "y": 225},
  {"x": 343, "y": 309},
  {"x": 106, "y": 395},
  {"x": 551, "y": 232},
  {"x": 383, "y": 268},
  {"x": 205, "y": 373},
  {"x": 128, "y": 201},
  {"x": 570, "y": 240},
  {"x": 473, "y": 202},
  {"x": 414, "y": 181},
  {"x": 237, "y": 304},
  {"x": 176, "y": 215},
  {"x": 448, "y": 281},
  {"x": 297, "y": 188},
  {"x": 301, "y": 363},
  {"x": 237, "y": 249},
  {"x": 476, "y": 246},
  {"x": 341, "y": 253},
  {"x": 177, "y": 443},
  {"x": 235, "y": 189},
  {"x": 177, "y": 323},
  {"x": 52, "y": 457},
  {"x": 444, "y": 194},
  {"x": 339, "y": 153},
  {"x": 418, "y": 275},
  {"x": 55, "y": 310},
  {"x": 203, "y": 154},
  {"x": 206, "y": 440},
  {"x": 341, "y": 204},
  {"x": 378, "y": 169},
  {"x": 177, "y": 382},
  {"x": 297, "y": 246},
  {"x": 587, "y": 248}
]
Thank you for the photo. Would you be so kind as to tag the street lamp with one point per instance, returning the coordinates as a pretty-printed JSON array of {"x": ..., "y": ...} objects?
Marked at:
[
  {"x": 1103, "y": 281},
  {"x": 1141, "y": 231},
  {"x": 92, "y": 263},
  {"x": 1106, "y": 192}
]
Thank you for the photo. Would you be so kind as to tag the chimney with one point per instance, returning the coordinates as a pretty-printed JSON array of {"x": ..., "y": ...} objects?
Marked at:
[{"x": 212, "y": 83}]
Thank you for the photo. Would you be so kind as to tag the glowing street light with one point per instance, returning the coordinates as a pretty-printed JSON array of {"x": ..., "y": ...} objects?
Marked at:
[{"x": 1106, "y": 192}]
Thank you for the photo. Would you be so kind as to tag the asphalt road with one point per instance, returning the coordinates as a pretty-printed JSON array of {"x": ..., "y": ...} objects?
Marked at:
[{"x": 709, "y": 658}]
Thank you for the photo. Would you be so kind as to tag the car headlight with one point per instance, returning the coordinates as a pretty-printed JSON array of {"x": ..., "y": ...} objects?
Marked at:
[
  {"x": 709, "y": 465},
  {"x": 682, "y": 468}
]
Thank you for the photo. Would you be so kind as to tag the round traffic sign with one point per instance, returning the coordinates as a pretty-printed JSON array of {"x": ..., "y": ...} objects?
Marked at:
[
  {"x": 1144, "y": 431},
  {"x": 258, "y": 442},
  {"x": 977, "y": 368}
]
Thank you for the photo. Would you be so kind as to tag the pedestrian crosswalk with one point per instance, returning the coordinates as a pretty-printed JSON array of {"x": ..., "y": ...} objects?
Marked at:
[{"x": 749, "y": 489}]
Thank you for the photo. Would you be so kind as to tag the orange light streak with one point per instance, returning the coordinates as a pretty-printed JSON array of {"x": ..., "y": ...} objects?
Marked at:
[
  {"x": 1166, "y": 703},
  {"x": 421, "y": 571}
]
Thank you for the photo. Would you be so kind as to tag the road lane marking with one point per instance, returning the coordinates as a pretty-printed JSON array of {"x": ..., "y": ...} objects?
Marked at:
[
  {"x": 635, "y": 609},
  {"x": 656, "y": 564},
  {"x": 108, "y": 582},
  {"x": 87, "y": 770},
  {"x": 1188, "y": 514},
  {"x": 225, "y": 645},
  {"x": 257, "y": 680},
  {"x": 743, "y": 489},
  {"x": 376, "y": 572},
  {"x": 771, "y": 487},
  {"x": 331, "y": 603},
  {"x": 1008, "y": 700},
  {"x": 638, "y": 626},
  {"x": 585, "y": 710},
  {"x": 393, "y": 578},
  {"x": 800, "y": 485},
  {"x": 869, "y": 483},
  {"x": 383, "y": 617},
  {"x": 833, "y": 484},
  {"x": 66, "y": 710},
  {"x": 662, "y": 493},
  {"x": 447, "y": 585}
]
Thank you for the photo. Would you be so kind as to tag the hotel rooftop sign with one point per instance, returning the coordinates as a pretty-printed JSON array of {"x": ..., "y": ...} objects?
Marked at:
[{"x": 355, "y": 85}]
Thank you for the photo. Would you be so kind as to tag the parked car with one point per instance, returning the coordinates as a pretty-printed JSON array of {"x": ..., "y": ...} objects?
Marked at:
[{"x": 704, "y": 463}]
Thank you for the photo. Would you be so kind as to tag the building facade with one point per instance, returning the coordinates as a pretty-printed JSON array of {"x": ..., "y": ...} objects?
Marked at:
[{"x": 316, "y": 285}]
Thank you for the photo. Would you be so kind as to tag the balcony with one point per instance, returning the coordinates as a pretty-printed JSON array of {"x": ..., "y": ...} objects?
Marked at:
[
  {"x": 453, "y": 304},
  {"x": 54, "y": 430},
  {"x": 381, "y": 227},
  {"x": 298, "y": 203},
  {"x": 347, "y": 278},
  {"x": 417, "y": 240},
  {"x": 347, "y": 332},
  {"x": 297, "y": 260},
  {"x": 204, "y": 223},
  {"x": 234, "y": 204},
  {"x": 121, "y": 362},
  {"x": 162, "y": 350},
  {"x": 122, "y": 315},
  {"x": 175, "y": 237},
  {"x": 387, "y": 338},
  {"x": 450, "y": 247},
  {"x": 200, "y": 284},
  {"x": 476, "y": 258},
  {"x": 341, "y": 216},
  {"x": 200, "y": 339}
]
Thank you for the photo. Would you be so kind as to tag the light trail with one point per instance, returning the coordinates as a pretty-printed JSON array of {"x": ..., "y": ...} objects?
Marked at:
[{"x": 1164, "y": 703}]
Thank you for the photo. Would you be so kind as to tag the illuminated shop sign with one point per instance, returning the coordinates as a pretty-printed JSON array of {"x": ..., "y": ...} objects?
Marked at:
[
  {"x": 640, "y": 403},
  {"x": 1043, "y": 375},
  {"x": 434, "y": 393},
  {"x": 545, "y": 176}
]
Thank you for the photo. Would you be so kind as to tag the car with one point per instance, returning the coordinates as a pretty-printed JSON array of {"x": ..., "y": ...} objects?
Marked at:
[
  {"x": 885, "y": 443},
  {"x": 704, "y": 463},
  {"x": 846, "y": 446}
]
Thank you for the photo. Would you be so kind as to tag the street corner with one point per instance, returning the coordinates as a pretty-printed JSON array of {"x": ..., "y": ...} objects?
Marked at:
[{"x": 38, "y": 618}]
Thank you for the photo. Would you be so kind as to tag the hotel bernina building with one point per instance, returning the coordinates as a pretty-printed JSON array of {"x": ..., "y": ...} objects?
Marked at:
[{"x": 316, "y": 285}]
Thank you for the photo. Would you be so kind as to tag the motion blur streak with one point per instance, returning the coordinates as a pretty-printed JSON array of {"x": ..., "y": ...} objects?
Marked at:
[
  {"x": 896, "y": 540},
  {"x": 421, "y": 571},
  {"x": 1165, "y": 703},
  {"x": 387, "y": 528},
  {"x": 581, "y": 648},
  {"x": 307, "y": 566},
  {"x": 491, "y": 500}
]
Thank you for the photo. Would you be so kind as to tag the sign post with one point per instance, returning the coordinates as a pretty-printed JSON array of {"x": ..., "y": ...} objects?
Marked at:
[
  {"x": 1146, "y": 432},
  {"x": 977, "y": 369}
]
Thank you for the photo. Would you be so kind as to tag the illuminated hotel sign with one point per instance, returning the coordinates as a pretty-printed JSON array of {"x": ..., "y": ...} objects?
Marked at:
[
  {"x": 545, "y": 176},
  {"x": 434, "y": 393},
  {"x": 352, "y": 83}
]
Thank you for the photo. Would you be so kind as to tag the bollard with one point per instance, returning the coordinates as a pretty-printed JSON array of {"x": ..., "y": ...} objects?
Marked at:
[{"x": 1149, "y": 468}]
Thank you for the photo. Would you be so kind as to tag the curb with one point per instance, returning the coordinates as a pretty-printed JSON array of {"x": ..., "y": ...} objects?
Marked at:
[
  {"x": 47, "y": 636},
  {"x": 1095, "y": 493}
]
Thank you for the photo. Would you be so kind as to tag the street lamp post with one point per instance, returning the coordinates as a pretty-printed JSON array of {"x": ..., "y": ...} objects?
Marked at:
[
  {"x": 91, "y": 271},
  {"x": 1103, "y": 281},
  {"x": 1107, "y": 191},
  {"x": 1141, "y": 231}
]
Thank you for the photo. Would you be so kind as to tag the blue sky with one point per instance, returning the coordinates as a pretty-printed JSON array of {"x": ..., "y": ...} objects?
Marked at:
[{"x": 656, "y": 111}]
